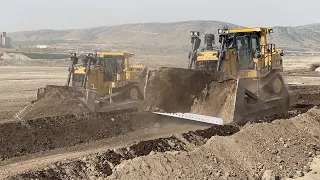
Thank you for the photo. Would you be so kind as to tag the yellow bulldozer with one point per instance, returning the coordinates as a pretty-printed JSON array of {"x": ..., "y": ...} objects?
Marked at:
[
  {"x": 255, "y": 64},
  {"x": 206, "y": 58},
  {"x": 105, "y": 78}
]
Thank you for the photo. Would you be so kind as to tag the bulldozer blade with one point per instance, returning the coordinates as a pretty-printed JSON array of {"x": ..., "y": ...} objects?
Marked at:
[
  {"x": 178, "y": 91},
  {"x": 244, "y": 111},
  {"x": 194, "y": 117},
  {"x": 91, "y": 100},
  {"x": 239, "y": 108},
  {"x": 97, "y": 104}
]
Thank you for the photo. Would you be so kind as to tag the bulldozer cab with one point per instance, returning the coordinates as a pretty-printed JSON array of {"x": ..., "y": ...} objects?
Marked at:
[
  {"x": 112, "y": 65},
  {"x": 246, "y": 53},
  {"x": 245, "y": 48}
]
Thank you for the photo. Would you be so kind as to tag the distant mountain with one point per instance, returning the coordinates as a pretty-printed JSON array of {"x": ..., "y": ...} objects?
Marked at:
[
  {"x": 305, "y": 37},
  {"x": 313, "y": 27}
]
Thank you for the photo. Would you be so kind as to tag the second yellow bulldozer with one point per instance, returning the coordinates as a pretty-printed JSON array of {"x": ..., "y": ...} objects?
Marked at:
[
  {"x": 206, "y": 58},
  {"x": 256, "y": 64},
  {"x": 105, "y": 77}
]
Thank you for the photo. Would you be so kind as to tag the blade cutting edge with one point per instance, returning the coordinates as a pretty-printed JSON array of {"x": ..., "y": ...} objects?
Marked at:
[{"x": 194, "y": 117}]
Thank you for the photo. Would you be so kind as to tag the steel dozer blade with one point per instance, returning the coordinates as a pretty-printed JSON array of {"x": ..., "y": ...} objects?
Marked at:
[
  {"x": 195, "y": 117},
  {"x": 211, "y": 97},
  {"x": 89, "y": 97},
  {"x": 91, "y": 100},
  {"x": 42, "y": 91},
  {"x": 98, "y": 104},
  {"x": 248, "y": 106}
]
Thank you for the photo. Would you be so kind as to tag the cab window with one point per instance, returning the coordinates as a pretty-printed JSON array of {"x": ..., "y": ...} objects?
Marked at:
[
  {"x": 255, "y": 43},
  {"x": 242, "y": 42},
  {"x": 244, "y": 52}
]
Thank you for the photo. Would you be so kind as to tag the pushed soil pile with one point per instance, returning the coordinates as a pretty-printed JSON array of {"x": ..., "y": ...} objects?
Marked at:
[
  {"x": 282, "y": 147},
  {"x": 103, "y": 164},
  {"x": 20, "y": 138},
  {"x": 217, "y": 100},
  {"x": 258, "y": 151},
  {"x": 56, "y": 101},
  {"x": 175, "y": 90}
]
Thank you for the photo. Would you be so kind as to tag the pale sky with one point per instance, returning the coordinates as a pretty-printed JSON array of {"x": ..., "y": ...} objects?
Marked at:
[{"x": 20, "y": 15}]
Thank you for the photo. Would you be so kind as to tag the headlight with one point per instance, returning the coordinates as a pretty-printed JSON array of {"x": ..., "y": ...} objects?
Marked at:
[
  {"x": 194, "y": 33},
  {"x": 219, "y": 31}
]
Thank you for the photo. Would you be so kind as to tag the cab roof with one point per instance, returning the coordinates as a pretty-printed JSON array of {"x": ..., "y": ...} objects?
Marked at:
[
  {"x": 126, "y": 54},
  {"x": 253, "y": 29}
]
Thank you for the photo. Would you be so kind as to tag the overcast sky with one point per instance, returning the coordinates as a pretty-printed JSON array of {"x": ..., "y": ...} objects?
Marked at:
[{"x": 19, "y": 15}]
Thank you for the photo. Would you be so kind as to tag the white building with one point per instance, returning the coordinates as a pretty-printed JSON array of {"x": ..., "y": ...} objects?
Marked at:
[
  {"x": 4, "y": 40},
  {"x": 42, "y": 46}
]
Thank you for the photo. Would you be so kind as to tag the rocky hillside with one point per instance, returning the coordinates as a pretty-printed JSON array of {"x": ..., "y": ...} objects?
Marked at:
[{"x": 305, "y": 37}]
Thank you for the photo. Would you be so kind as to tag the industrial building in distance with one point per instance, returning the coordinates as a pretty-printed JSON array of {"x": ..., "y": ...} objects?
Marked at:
[{"x": 5, "y": 41}]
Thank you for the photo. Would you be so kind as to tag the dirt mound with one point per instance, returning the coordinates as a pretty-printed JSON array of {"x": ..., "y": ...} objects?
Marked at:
[
  {"x": 175, "y": 89},
  {"x": 103, "y": 164},
  {"x": 21, "y": 138},
  {"x": 55, "y": 101},
  {"x": 314, "y": 66},
  {"x": 217, "y": 100},
  {"x": 283, "y": 148},
  {"x": 15, "y": 56}
]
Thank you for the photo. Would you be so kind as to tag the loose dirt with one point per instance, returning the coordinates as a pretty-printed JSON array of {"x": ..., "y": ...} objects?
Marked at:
[
  {"x": 39, "y": 160},
  {"x": 20, "y": 138},
  {"x": 217, "y": 100},
  {"x": 283, "y": 147},
  {"x": 55, "y": 101},
  {"x": 101, "y": 165},
  {"x": 312, "y": 173},
  {"x": 14, "y": 57},
  {"x": 304, "y": 95},
  {"x": 185, "y": 90}
]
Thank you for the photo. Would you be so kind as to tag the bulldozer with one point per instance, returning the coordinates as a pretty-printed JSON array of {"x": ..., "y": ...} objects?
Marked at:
[
  {"x": 206, "y": 58},
  {"x": 255, "y": 64},
  {"x": 105, "y": 78}
]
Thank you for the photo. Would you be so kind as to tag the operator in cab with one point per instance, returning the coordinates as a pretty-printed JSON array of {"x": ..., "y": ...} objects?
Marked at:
[{"x": 243, "y": 54}]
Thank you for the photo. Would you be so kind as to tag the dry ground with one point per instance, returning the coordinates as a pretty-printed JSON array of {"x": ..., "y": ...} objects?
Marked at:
[
  {"x": 296, "y": 70},
  {"x": 19, "y": 84}
]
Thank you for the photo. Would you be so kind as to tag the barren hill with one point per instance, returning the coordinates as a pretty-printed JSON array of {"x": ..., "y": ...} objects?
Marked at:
[{"x": 177, "y": 33}]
